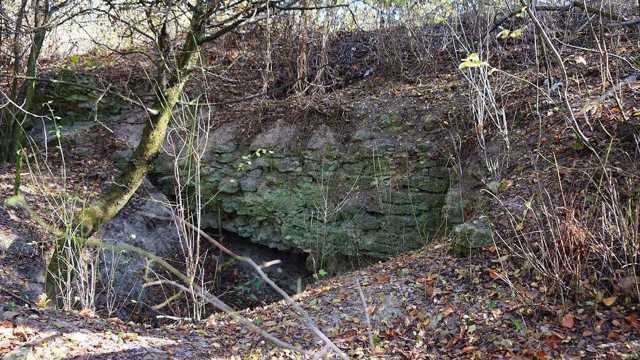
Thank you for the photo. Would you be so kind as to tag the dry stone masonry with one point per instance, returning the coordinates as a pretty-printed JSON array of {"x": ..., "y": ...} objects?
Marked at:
[{"x": 366, "y": 191}]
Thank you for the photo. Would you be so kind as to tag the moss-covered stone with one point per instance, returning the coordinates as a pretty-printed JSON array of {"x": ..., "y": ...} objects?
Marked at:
[
  {"x": 229, "y": 186},
  {"x": 73, "y": 103},
  {"x": 470, "y": 236},
  {"x": 336, "y": 203}
]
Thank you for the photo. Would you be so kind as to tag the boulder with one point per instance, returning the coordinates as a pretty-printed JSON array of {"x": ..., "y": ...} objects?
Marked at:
[
  {"x": 223, "y": 139},
  {"x": 281, "y": 136},
  {"x": 322, "y": 138},
  {"x": 470, "y": 236}
]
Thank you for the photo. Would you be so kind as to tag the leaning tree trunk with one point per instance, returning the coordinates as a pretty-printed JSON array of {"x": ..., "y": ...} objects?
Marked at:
[{"x": 122, "y": 189}]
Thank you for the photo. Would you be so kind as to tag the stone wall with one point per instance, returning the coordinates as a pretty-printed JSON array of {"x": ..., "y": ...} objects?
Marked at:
[{"x": 372, "y": 190}]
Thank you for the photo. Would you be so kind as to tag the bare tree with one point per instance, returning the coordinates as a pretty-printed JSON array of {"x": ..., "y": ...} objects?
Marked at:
[
  {"x": 32, "y": 21},
  {"x": 207, "y": 22}
]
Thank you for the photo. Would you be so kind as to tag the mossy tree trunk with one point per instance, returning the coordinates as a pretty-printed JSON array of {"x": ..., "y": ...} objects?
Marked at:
[
  {"x": 9, "y": 113},
  {"x": 225, "y": 17},
  {"x": 122, "y": 189},
  {"x": 17, "y": 119},
  {"x": 30, "y": 93}
]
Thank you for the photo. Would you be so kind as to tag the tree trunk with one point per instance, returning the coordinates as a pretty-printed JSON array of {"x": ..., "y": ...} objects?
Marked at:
[
  {"x": 30, "y": 91},
  {"x": 17, "y": 118},
  {"x": 118, "y": 194},
  {"x": 9, "y": 114}
]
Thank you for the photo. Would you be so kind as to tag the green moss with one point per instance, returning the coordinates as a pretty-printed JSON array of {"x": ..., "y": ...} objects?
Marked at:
[
  {"x": 76, "y": 103},
  {"x": 335, "y": 206}
]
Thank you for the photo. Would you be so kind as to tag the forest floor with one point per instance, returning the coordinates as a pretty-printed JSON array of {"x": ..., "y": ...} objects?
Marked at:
[
  {"x": 422, "y": 305},
  {"x": 426, "y": 304}
]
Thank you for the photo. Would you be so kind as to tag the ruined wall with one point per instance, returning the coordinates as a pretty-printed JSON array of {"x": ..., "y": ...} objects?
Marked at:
[{"x": 371, "y": 189}]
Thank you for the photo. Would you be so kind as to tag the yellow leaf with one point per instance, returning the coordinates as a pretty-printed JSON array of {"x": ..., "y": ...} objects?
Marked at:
[
  {"x": 503, "y": 34},
  {"x": 42, "y": 301},
  {"x": 522, "y": 13},
  {"x": 472, "y": 61},
  {"x": 509, "y": 34}
]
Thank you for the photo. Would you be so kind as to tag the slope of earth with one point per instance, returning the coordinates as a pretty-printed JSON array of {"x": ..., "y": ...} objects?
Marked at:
[{"x": 423, "y": 305}]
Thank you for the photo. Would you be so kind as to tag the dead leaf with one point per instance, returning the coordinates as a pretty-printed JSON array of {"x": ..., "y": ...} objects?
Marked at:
[
  {"x": 6, "y": 324},
  {"x": 87, "y": 313},
  {"x": 468, "y": 349},
  {"x": 382, "y": 278},
  {"x": 390, "y": 332},
  {"x": 609, "y": 301},
  {"x": 448, "y": 311},
  {"x": 21, "y": 333},
  {"x": 129, "y": 336},
  {"x": 554, "y": 340},
  {"x": 493, "y": 274},
  {"x": 581, "y": 60},
  {"x": 540, "y": 355},
  {"x": 349, "y": 334},
  {"x": 632, "y": 319},
  {"x": 568, "y": 321}
]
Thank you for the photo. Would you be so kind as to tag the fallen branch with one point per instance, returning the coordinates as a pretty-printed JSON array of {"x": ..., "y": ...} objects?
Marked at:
[
  {"x": 18, "y": 297},
  {"x": 624, "y": 23},
  {"x": 212, "y": 299},
  {"x": 309, "y": 322},
  {"x": 18, "y": 201}
]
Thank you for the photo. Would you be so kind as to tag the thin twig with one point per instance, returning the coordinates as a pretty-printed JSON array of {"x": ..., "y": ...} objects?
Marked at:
[
  {"x": 565, "y": 92},
  {"x": 367, "y": 319}
]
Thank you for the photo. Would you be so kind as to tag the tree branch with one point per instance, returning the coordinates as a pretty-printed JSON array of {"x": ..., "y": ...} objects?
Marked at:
[{"x": 574, "y": 4}]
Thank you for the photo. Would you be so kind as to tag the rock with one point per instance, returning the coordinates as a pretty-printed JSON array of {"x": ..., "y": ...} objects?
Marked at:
[
  {"x": 470, "y": 236},
  {"x": 288, "y": 165},
  {"x": 222, "y": 140},
  {"x": 128, "y": 127},
  {"x": 251, "y": 180},
  {"x": 431, "y": 184},
  {"x": 229, "y": 186},
  {"x": 363, "y": 135},
  {"x": 121, "y": 158},
  {"x": 322, "y": 138},
  {"x": 343, "y": 194},
  {"x": 6, "y": 240},
  {"x": 455, "y": 203},
  {"x": 144, "y": 223},
  {"x": 9, "y": 315},
  {"x": 281, "y": 137},
  {"x": 20, "y": 256},
  {"x": 381, "y": 144},
  {"x": 430, "y": 122},
  {"x": 429, "y": 151}
]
